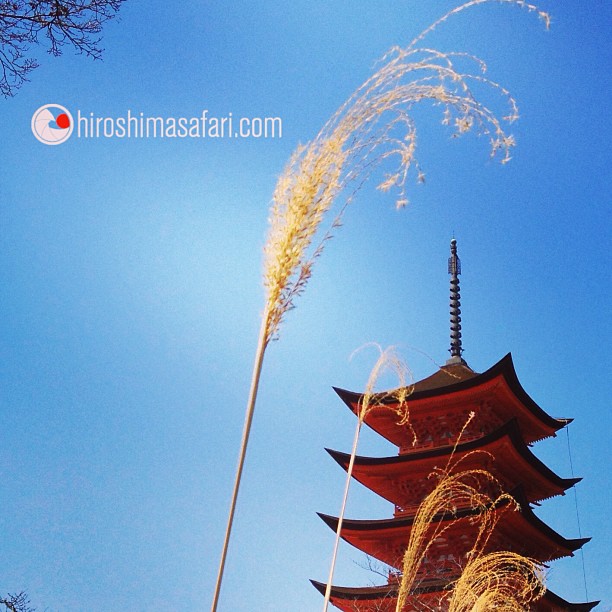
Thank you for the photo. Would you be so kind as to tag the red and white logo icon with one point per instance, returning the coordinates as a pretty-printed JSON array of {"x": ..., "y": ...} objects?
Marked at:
[{"x": 52, "y": 124}]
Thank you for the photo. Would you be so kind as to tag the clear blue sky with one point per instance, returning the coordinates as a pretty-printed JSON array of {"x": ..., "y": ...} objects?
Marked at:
[{"x": 130, "y": 284}]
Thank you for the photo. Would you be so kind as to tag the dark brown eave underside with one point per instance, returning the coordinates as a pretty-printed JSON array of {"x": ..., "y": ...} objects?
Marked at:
[
  {"x": 390, "y": 591},
  {"x": 401, "y": 522},
  {"x": 504, "y": 368},
  {"x": 510, "y": 429}
]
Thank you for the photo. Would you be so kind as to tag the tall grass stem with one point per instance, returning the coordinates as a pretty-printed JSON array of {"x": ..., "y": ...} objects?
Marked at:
[
  {"x": 248, "y": 419},
  {"x": 349, "y": 474}
]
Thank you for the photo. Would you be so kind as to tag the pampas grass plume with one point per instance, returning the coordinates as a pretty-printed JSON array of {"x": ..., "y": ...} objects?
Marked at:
[{"x": 373, "y": 126}]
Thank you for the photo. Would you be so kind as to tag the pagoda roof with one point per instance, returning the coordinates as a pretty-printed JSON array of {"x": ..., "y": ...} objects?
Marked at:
[
  {"x": 457, "y": 387},
  {"x": 449, "y": 374},
  {"x": 384, "y": 598},
  {"x": 404, "y": 479},
  {"x": 517, "y": 531}
]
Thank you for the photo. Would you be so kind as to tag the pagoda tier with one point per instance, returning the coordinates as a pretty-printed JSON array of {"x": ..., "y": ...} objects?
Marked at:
[
  {"x": 519, "y": 531},
  {"x": 453, "y": 421},
  {"x": 425, "y": 598},
  {"x": 406, "y": 479},
  {"x": 440, "y": 406}
]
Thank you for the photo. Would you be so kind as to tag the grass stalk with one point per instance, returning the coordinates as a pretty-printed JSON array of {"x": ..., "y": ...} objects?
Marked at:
[
  {"x": 502, "y": 580},
  {"x": 248, "y": 419},
  {"x": 387, "y": 360},
  {"x": 347, "y": 484},
  {"x": 372, "y": 127}
]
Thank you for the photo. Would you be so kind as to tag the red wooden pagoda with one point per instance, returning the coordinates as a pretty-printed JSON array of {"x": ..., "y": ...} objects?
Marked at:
[{"x": 505, "y": 422}]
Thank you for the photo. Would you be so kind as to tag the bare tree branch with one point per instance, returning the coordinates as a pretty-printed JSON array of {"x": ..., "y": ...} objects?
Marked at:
[
  {"x": 16, "y": 603},
  {"x": 52, "y": 23}
]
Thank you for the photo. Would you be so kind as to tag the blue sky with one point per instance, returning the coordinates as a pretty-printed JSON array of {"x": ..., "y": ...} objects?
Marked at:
[{"x": 130, "y": 285}]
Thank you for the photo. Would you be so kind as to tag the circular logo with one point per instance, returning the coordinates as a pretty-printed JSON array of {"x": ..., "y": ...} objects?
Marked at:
[{"x": 52, "y": 124}]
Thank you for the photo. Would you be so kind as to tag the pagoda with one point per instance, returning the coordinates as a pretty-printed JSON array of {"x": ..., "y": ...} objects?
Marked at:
[{"x": 484, "y": 421}]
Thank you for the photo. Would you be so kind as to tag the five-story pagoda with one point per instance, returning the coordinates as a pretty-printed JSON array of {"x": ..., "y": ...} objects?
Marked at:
[{"x": 481, "y": 421}]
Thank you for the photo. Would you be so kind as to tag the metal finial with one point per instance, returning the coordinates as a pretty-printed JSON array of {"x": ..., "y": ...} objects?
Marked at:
[{"x": 454, "y": 269}]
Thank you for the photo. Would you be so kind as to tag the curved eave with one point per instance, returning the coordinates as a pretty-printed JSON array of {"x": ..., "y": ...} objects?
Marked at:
[
  {"x": 376, "y": 592},
  {"x": 401, "y": 524},
  {"x": 371, "y": 465},
  {"x": 566, "y": 605},
  {"x": 503, "y": 370},
  {"x": 389, "y": 591}
]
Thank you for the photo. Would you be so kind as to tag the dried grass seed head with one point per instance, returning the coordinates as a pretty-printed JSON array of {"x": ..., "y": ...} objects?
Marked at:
[{"x": 373, "y": 125}]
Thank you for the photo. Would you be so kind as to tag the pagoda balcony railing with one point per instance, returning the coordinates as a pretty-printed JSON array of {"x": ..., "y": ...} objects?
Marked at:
[
  {"x": 441, "y": 572},
  {"x": 448, "y": 439}
]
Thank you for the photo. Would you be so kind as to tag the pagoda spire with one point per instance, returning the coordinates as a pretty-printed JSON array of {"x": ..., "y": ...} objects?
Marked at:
[{"x": 454, "y": 269}]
